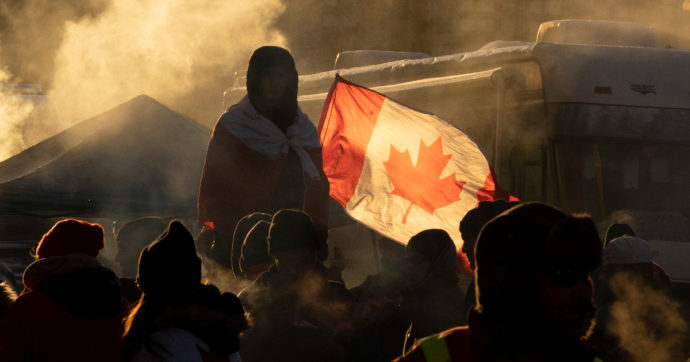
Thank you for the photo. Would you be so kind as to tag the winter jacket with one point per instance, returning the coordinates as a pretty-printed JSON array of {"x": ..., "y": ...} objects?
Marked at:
[
  {"x": 261, "y": 169},
  {"x": 204, "y": 326},
  {"x": 179, "y": 345},
  {"x": 472, "y": 344},
  {"x": 305, "y": 319},
  {"x": 434, "y": 306},
  {"x": 72, "y": 312}
]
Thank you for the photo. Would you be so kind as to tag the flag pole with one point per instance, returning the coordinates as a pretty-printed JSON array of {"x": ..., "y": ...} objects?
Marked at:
[
  {"x": 377, "y": 251},
  {"x": 499, "y": 80}
]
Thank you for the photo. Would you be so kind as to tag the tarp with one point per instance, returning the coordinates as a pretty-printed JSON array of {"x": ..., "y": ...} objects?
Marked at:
[{"x": 140, "y": 158}]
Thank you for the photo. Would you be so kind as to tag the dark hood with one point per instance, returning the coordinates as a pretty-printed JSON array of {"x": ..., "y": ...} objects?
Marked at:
[
  {"x": 88, "y": 293},
  {"x": 270, "y": 57}
]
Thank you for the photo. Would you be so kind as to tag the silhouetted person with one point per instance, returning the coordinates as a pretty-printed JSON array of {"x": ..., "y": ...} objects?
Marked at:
[
  {"x": 131, "y": 239},
  {"x": 637, "y": 318},
  {"x": 255, "y": 258},
  {"x": 381, "y": 296},
  {"x": 470, "y": 226},
  {"x": 264, "y": 154},
  {"x": 534, "y": 299},
  {"x": 72, "y": 310},
  {"x": 391, "y": 281},
  {"x": 434, "y": 301},
  {"x": 230, "y": 254},
  {"x": 305, "y": 316},
  {"x": 177, "y": 317},
  {"x": 618, "y": 230}
]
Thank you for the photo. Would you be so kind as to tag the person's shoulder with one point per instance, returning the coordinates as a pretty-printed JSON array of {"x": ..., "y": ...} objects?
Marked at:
[
  {"x": 28, "y": 301},
  {"x": 241, "y": 110},
  {"x": 456, "y": 334},
  {"x": 449, "y": 345},
  {"x": 171, "y": 344}
]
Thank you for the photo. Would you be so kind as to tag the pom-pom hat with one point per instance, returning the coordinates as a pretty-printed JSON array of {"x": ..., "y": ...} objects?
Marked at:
[{"x": 71, "y": 236}]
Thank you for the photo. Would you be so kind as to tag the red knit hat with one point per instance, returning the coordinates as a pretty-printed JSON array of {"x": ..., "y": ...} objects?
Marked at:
[{"x": 71, "y": 236}]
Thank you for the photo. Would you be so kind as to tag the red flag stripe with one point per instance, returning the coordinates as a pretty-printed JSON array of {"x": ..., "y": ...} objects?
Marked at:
[
  {"x": 491, "y": 191},
  {"x": 341, "y": 138}
]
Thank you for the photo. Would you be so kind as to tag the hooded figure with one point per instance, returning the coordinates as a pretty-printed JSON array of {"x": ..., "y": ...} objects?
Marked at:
[
  {"x": 434, "y": 301},
  {"x": 255, "y": 258},
  {"x": 631, "y": 289},
  {"x": 264, "y": 154},
  {"x": 534, "y": 294},
  {"x": 131, "y": 239},
  {"x": 231, "y": 254},
  {"x": 470, "y": 226},
  {"x": 305, "y": 316},
  {"x": 72, "y": 310},
  {"x": 617, "y": 230},
  {"x": 178, "y": 318}
]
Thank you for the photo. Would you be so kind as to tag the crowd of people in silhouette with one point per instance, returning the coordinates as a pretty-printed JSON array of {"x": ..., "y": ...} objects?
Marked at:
[{"x": 545, "y": 287}]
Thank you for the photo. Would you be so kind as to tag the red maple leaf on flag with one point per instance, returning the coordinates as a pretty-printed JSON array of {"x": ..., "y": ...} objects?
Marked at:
[{"x": 422, "y": 184}]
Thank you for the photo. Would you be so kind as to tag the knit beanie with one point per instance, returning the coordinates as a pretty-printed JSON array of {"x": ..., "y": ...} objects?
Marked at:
[
  {"x": 292, "y": 230},
  {"x": 71, "y": 236},
  {"x": 170, "y": 266}
]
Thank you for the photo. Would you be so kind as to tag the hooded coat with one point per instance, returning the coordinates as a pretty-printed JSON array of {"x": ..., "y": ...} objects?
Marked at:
[
  {"x": 178, "y": 318},
  {"x": 433, "y": 301},
  {"x": 203, "y": 325},
  {"x": 72, "y": 312},
  {"x": 262, "y": 159},
  {"x": 307, "y": 318}
]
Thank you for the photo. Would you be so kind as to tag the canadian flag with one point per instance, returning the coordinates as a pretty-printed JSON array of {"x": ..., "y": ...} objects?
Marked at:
[{"x": 398, "y": 170}]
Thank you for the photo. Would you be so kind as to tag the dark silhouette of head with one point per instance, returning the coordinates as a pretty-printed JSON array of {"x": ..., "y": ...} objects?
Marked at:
[
  {"x": 618, "y": 230},
  {"x": 293, "y": 241},
  {"x": 132, "y": 238},
  {"x": 430, "y": 253},
  {"x": 475, "y": 219},
  {"x": 255, "y": 258},
  {"x": 169, "y": 267},
  {"x": 633, "y": 256},
  {"x": 272, "y": 85},
  {"x": 532, "y": 275},
  {"x": 71, "y": 236},
  {"x": 229, "y": 255}
]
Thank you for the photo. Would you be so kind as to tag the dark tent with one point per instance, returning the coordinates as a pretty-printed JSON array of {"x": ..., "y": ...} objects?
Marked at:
[{"x": 140, "y": 158}]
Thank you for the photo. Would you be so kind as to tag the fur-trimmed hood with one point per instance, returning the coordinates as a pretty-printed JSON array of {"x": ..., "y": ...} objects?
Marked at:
[
  {"x": 201, "y": 317},
  {"x": 214, "y": 317},
  {"x": 76, "y": 282}
]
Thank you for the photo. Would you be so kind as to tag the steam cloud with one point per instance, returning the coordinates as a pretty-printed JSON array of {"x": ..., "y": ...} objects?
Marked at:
[
  {"x": 648, "y": 322},
  {"x": 13, "y": 111},
  {"x": 181, "y": 53}
]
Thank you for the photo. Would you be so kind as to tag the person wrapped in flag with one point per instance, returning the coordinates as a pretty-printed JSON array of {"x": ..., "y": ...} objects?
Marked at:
[{"x": 264, "y": 154}]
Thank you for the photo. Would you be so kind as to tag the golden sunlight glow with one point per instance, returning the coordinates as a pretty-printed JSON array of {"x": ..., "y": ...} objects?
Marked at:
[{"x": 162, "y": 48}]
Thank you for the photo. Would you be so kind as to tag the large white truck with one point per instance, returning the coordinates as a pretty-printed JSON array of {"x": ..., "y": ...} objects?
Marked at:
[{"x": 591, "y": 117}]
